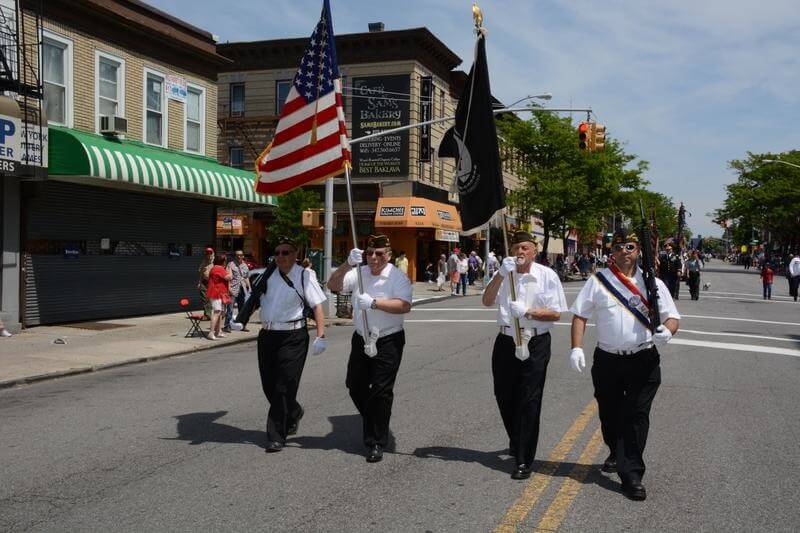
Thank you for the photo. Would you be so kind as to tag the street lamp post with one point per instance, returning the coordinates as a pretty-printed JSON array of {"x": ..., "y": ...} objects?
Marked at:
[
  {"x": 779, "y": 161},
  {"x": 545, "y": 96}
]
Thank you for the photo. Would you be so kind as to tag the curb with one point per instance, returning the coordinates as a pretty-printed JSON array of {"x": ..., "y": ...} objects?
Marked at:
[{"x": 29, "y": 380}]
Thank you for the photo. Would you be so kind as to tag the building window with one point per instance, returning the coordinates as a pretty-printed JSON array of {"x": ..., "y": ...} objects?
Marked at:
[
  {"x": 110, "y": 88},
  {"x": 57, "y": 78},
  {"x": 195, "y": 113},
  {"x": 237, "y": 99},
  {"x": 441, "y": 104},
  {"x": 282, "y": 89},
  {"x": 236, "y": 157},
  {"x": 154, "y": 109}
]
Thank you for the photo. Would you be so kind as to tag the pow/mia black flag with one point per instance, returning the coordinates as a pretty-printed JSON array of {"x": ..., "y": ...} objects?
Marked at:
[{"x": 473, "y": 142}]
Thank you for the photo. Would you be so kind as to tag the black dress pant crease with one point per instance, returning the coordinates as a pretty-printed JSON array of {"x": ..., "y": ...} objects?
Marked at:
[
  {"x": 624, "y": 386},
  {"x": 281, "y": 358},
  {"x": 518, "y": 388},
  {"x": 370, "y": 381}
]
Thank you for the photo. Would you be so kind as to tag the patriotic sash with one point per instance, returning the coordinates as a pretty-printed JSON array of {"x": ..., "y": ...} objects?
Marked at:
[{"x": 626, "y": 293}]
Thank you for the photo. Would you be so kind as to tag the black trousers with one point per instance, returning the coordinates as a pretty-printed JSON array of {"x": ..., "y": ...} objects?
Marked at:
[
  {"x": 370, "y": 381},
  {"x": 794, "y": 282},
  {"x": 518, "y": 388},
  {"x": 625, "y": 386},
  {"x": 694, "y": 285},
  {"x": 281, "y": 358}
]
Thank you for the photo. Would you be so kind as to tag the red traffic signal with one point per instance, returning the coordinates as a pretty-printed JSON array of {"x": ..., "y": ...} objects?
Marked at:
[{"x": 583, "y": 135}]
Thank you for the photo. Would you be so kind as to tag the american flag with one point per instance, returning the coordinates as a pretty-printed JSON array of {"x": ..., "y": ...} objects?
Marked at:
[{"x": 310, "y": 142}]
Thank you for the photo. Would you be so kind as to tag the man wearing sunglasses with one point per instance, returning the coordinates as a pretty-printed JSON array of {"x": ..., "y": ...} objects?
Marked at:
[
  {"x": 626, "y": 370},
  {"x": 519, "y": 375},
  {"x": 386, "y": 298},
  {"x": 284, "y": 292}
]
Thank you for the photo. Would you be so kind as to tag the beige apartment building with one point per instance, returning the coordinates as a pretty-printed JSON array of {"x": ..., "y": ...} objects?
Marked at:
[
  {"x": 389, "y": 79},
  {"x": 133, "y": 186}
]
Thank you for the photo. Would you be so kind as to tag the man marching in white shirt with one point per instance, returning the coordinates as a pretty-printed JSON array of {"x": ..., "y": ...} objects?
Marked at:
[
  {"x": 519, "y": 375},
  {"x": 626, "y": 372},
  {"x": 386, "y": 298}
]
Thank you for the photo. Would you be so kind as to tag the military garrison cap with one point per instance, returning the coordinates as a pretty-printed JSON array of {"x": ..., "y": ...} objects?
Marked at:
[
  {"x": 378, "y": 241},
  {"x": 622, "y": 236},
  {"x": 284, "y": 239},
  {"x": 523, "y": 236}
]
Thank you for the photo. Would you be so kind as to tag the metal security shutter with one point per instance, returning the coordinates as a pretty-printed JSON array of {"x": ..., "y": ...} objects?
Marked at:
[{"x": 106, "y": 286}]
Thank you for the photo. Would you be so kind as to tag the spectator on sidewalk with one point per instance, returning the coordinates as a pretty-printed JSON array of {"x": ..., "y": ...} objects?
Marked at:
[
  {"x": 767, "y": 277},
  {"x": 452, "y": 269},
  {"x": 793, "y": 274},
  {"x": 218, "y": 295},
  {"x": 402, "y": 263},
  {"x": 472, "y": 267},
  {"x": 3, "y": 331},
  {"x": 463, "y": 273},
  {"x": 429, "y": 274},
  {"x": 441, "y": 272},
  {"x": 239, "y": 285},
  {"x": 202, "y": 281}
]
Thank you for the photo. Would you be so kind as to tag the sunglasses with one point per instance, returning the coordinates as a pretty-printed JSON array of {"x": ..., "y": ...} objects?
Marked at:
[
  {"x": 284, "y": 252},
  {"x": 378, "y": 253},
  {"x": 630, "y": 247}
]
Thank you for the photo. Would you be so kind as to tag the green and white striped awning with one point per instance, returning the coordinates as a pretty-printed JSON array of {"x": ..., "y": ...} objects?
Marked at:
[{"x": 77, "y": 153}]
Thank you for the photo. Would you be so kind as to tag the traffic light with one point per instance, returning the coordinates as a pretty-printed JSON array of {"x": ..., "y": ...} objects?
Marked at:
[
  {"x": 583, "y": 135},
  {"x": 598, "y": 138}
]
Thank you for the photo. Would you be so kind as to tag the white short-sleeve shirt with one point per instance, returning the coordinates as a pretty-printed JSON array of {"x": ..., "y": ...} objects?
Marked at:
[
  {"x": 538, "y": 288},
  {"x": 390, "y": 283},
  {"x": 617, "y": 328},
  {"x": 281, "y": 303}
]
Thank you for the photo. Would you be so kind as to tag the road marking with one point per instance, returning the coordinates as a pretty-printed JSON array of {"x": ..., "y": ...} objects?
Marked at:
[
  {"x": 570, "y": 487},
  {"x": 737, "y": 347},
  {"x": 747, "y": 335},
  {"x": 753, "y": 300},
  {"x": 742, "y": 320},
  {"x": 539, "y": 482}
]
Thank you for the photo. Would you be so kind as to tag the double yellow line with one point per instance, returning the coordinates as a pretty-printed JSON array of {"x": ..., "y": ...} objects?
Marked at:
[{"x": 557, "y": 510}]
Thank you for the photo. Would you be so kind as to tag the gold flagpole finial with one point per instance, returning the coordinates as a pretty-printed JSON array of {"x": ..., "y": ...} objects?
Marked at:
[{"x": 477, "y": 15}]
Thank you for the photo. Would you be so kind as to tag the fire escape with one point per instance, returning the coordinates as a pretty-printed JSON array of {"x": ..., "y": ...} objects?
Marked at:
[
  {"x": 252, "y": 133},
  {"x": 20, "y": 80}
]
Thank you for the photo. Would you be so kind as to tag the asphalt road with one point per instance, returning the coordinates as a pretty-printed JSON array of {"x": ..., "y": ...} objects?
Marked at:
[{"x": 177, "y": 444}]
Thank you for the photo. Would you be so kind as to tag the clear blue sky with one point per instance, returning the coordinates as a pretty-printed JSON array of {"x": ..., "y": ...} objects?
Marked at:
[{"x": 688, "y": 85}]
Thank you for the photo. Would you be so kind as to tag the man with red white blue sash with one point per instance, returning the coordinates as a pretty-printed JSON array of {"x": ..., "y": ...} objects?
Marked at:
[{"x": 626, "y": 370}]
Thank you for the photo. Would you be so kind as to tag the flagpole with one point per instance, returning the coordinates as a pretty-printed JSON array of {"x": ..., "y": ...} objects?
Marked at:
[
  {"x": 512, "y": 288},
  {"x": 328, "y": 243},
  {"x": 355, "y": 245}
]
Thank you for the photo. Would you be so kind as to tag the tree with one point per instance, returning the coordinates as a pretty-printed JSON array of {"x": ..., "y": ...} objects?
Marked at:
[
  {"x": 566, "y": 187},
  {"x": 289, "y": 215},
  {"x": 765, "y": 197},
  {"x": 655, "y": 203}
]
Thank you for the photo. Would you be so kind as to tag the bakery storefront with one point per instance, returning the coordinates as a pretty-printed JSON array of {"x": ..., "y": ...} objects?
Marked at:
[
  {"x": 119, "y": 228},
  {"x": 420, "y": 227}
]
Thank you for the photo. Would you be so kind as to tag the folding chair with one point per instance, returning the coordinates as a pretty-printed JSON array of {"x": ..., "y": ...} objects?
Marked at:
[{"x": 194, "y": 320}]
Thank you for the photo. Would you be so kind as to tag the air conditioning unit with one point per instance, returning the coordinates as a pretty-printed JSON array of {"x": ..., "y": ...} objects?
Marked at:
[{"x": 112, "y": 125}]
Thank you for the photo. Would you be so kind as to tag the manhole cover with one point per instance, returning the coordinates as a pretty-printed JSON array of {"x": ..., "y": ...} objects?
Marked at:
[{"x": 96, "y": 326}]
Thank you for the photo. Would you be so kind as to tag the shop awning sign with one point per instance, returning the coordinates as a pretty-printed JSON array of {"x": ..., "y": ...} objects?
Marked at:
[
  {"x": 446, "y": 235},
  {"x": 10, "y": 131}
]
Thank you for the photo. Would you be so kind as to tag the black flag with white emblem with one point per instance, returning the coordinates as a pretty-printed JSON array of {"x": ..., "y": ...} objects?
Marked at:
[{"x": 473, "y": 143}]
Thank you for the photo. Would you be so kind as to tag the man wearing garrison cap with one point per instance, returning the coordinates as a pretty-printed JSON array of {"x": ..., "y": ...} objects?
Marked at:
[
  {"x": 287, "y": 293},
  {"x": 626, "y": 369},
  {"x": 519, "y": 373},
  {"x": 375, "y": 354}
]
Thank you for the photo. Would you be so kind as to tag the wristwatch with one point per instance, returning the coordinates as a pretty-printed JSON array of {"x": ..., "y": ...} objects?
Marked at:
[{"x": 374, "y": 304}]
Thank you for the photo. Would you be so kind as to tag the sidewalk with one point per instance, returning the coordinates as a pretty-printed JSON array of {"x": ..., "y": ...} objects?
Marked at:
[{"x": 48, "y": 352}]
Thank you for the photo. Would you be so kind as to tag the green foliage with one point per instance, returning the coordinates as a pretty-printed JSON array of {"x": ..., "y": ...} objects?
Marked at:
[
  {"x": 567, "y": 187},
  {"x": 765, "y": 196},
  {"x": 289, "y": 215},
  {"x": 666, "y": 214}
]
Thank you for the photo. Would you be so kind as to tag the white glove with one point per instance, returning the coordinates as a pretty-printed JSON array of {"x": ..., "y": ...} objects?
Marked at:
[
  {"x": 518, "y": 309},
  {"x": 508, "y": 265},
  {"x": 662, "y": 336},
  {"x": 577, "y": 359},
  {"x": 319, "y": 345},
  {"x": 356, "y": 257},
  {"x": 236, "y": 326},
  {"x": 364, "y": 300}
]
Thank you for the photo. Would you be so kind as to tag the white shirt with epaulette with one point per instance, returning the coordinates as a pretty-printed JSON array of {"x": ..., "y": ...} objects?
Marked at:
[
  {"x": 281, "y": 303},
  {"x": 538, "y": 288}
]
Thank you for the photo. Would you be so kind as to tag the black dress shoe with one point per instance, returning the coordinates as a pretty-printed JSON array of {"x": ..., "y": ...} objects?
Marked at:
[
  {"x": 610, "y": 464},
  {"x": 375, "y": 454},
  {"x": 292, "y": 429},
  {"x": 634, "y": 491},
  {"x": 522, "y": 471},
  {"x": 273, "y": 447}
]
